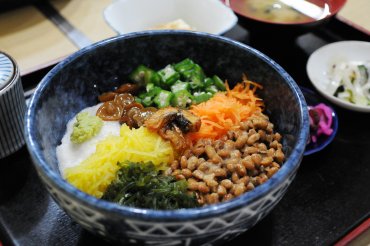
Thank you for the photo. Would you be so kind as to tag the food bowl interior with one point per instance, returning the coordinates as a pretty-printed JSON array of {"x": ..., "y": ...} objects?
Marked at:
[{"x": 76, "y": 82}]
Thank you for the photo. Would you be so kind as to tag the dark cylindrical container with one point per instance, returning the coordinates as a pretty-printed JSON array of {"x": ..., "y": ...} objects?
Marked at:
[{"x": 12, "y": 107}]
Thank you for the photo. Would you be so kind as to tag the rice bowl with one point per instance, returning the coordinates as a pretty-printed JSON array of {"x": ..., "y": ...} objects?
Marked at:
[{"x": 77, "y": 79}]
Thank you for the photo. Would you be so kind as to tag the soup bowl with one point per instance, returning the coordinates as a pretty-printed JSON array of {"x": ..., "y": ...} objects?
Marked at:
[
  {"x": 75, "y": 84},
  {"x": 272, "y": 18}
]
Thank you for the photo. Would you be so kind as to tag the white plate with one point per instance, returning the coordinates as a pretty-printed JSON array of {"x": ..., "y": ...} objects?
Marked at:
[
  {"x": 210, "y": 16},
  {"x": 321, "y": 61}
]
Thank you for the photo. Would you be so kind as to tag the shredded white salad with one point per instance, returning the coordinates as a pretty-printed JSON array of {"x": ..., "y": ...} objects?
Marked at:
[{"x": 353, "y": 81}]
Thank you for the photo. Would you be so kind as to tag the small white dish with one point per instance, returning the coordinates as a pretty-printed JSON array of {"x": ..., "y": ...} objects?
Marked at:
[
  {"x": 210, "y": 16},
  {"x": 320, "y": 62}
]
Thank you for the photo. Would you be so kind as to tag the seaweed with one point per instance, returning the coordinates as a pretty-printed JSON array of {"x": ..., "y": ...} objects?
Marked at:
[{"x": 141, "y": 185}]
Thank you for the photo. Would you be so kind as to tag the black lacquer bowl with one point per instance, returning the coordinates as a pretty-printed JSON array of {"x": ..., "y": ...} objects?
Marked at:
[{"x": 75, "y": 84}]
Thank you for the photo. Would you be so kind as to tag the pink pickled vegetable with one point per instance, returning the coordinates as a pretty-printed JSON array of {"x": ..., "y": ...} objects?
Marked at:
[{"x": 321, "y": 120}]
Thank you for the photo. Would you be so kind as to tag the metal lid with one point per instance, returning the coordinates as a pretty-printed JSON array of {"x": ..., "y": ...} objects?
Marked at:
[{"x": 6, "y": 70}]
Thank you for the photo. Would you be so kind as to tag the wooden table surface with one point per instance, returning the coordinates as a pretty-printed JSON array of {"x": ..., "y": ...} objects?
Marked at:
[
  {"x": 35, "y": 42},
  {"x": 357, "y": 14}
]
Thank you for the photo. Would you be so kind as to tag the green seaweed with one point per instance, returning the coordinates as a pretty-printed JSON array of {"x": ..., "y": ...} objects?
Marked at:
[{"x": 141, "y": 185}]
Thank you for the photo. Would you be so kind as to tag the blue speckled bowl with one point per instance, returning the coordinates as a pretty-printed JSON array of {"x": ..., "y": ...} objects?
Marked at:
[{"x": 75, "y": 84}]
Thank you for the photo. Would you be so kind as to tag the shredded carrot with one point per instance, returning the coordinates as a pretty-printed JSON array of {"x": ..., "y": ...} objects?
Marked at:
[{"x": 226, "y": 110}]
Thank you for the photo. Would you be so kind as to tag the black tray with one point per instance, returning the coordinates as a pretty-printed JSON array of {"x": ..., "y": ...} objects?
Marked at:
[{"x": 329, "y": 196}]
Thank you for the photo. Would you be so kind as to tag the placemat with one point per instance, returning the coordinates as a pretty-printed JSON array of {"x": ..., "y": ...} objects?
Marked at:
[
  {"x": 357, "y": 14},
  {"x": 32, "y": 40},
  {"x": 35, "y": 42},
  {"x": 86, "y": 16}
]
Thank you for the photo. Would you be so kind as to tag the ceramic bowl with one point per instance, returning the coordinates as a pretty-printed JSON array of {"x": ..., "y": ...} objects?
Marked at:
[
  {"x": 321, "y": 61},
  {"x": 312, "y": 99},
  {"x": 210, "y": 16},
  {"x": 75, "y": 84},
  {"x": 320, "y": 11}
]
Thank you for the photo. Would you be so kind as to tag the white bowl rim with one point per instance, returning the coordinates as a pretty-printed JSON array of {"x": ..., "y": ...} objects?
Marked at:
[
  {"x": 233, "y": 19},
  {"x": 345, "y": 48}
]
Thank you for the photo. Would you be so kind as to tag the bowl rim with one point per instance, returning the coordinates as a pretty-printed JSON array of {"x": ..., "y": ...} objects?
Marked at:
[
  {"x": 54, "y": 177},
  {"x": 345, "y": 47},
  {"x": 287, "y": 24},
  {"x": 227, "y": 26}
]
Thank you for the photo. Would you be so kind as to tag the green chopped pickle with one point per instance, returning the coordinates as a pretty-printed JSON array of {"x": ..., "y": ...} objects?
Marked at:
[
  {"x": 201, "y": 97},
  {"x": 184, "y": 65},
  {"x": 212, "y": 89},
  {"x": 180, "y": 85},
  {"x": 85, "y": 127},
  {"x": 143, "y": 75},
  {"x": 219, "y": 83},
  {"x": 141, "y": 185},
  {"x": 163, "y": 99},
  {"x": 181, "y": 99},
  {"x": 169, "y": 75},
  {"x": 208, "y": 82}
]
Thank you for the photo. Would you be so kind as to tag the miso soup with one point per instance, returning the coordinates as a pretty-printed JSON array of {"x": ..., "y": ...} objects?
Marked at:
[{"x": 283, "y": 11}]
